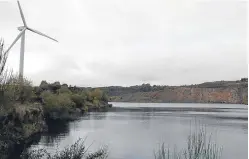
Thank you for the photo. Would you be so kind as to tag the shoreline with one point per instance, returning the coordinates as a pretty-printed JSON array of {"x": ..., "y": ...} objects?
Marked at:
[
  {"x": 177, "y": 102},
  {"x": 19, "y": 131}
]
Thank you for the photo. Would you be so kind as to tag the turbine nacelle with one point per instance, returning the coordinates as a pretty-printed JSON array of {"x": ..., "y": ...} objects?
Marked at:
[{"x": 21, "y": 28}]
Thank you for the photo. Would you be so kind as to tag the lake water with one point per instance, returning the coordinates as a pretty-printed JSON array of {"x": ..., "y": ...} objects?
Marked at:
[{"x": 135, "y": 130}]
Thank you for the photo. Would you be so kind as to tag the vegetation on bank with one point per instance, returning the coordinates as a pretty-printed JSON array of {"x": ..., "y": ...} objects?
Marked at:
[
  {"x": 52, "y": 96},
  {"x": 56, "y": 97},
  {"x": 147, "y": 87},
  {"x": 78, "y": 150}
]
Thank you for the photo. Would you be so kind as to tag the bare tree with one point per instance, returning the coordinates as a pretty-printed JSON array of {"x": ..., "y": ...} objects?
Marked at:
[{"x": 5, "y": 74}]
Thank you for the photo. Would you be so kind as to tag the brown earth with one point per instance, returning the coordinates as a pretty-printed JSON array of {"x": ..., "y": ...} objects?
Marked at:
[{"x": 227, "y": 92}]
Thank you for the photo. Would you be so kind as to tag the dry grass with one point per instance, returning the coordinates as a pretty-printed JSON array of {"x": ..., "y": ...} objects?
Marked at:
[
  {"x": 78, "y": 150},
  {"x": 199, "y": 146}
]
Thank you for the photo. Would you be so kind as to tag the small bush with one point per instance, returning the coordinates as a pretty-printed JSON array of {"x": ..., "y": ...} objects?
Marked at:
[
  {"x": 17, "y": 91},
  {"x": 76, "y": 151}
]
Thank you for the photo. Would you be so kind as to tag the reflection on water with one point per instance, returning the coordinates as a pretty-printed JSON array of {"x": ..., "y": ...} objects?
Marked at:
[
  {"x": 56, "y": 131},
  {"x": 134, "y": 130}
]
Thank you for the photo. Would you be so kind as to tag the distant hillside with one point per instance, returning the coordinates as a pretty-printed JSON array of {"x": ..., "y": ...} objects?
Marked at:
[{"x": 234, "y": 92}]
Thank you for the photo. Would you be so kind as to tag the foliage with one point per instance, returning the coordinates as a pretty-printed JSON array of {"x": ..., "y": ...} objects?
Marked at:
[
  {"x": 4, "y": 76},
  {"x": 56, "y": 96},
  {"x": 199, "y": 147},
  {"x": 78, "y": 99},
  {"x": 95, "y": 102},
  {"x": 245, "y": 100},
  {"x": 15, "y": 91},
  {"x": 89, "y": 96},
  {"x": 105, "y": 97},
  {"x": 118, "y": 90},
  {"x": 100, "y": 154},
  {"x": 76, "y": 151},
  {"x": 55, "y": 86},
  {"x": 3, "y": 60},
  {"x": 44, "y": 85},
  {"x": 64, "y": 89},
  {"x": 46, "y": 94},
  {"x": 57, "y": 101},
  {"x": 97, "y": 93}
]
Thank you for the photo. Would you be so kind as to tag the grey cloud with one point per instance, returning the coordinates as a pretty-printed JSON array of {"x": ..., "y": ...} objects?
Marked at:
[{"x": 117, "y": 42}]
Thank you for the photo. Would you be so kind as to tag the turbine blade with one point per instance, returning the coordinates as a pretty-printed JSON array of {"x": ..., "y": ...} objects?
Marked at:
[
  {"x": 23, "y": 19},
  {"x": 37, "y": 32},
  {"x": 18, "y": 37}
]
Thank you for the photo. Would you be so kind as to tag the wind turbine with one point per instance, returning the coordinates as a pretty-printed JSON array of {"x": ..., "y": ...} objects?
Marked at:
[{"x": 21, "y": 35}]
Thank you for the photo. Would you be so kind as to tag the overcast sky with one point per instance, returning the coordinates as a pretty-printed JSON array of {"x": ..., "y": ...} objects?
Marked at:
[{"x": 129, "y": 42}]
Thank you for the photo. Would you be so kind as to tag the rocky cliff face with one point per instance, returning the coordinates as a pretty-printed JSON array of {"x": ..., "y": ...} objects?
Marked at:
[
  {"x": 233, "y": 94},
  {"x": 202, "y": 95}
]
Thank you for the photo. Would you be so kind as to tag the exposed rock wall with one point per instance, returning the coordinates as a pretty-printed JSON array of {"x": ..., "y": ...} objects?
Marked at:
[{"x": 232, "y": 95}]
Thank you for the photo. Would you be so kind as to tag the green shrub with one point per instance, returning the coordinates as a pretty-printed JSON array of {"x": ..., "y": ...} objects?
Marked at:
[
  {"x": 64, "y": 89},
  {"x": 28, "y": 93},
  {"x": 97, "y": 93},
  {"x": 55, "y": 86},
  {"x": 46, "y": 93},
  {"x": 78, "y": 99},
  {"x": 105, "y": 97},
  {"x": 85, "y": 108},
  {"x": 95, "y": 102},
  {"x": 57, "y": 101},
  {"x": 37, "y": 90},
  {"x": 89, "y": 96},
  {"x": 44, "y": 85},
  {"x": 17, "y": 91}
]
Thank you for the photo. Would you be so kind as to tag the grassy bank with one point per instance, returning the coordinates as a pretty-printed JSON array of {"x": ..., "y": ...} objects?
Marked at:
[{"x": 24, "y": 108}]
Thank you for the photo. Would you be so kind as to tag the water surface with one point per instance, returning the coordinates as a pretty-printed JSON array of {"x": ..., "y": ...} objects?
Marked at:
[{"x": 134, "y": 130}]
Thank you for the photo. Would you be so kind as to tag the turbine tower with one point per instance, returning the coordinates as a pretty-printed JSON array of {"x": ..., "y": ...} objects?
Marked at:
[{"x": 21, "y": 35}]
